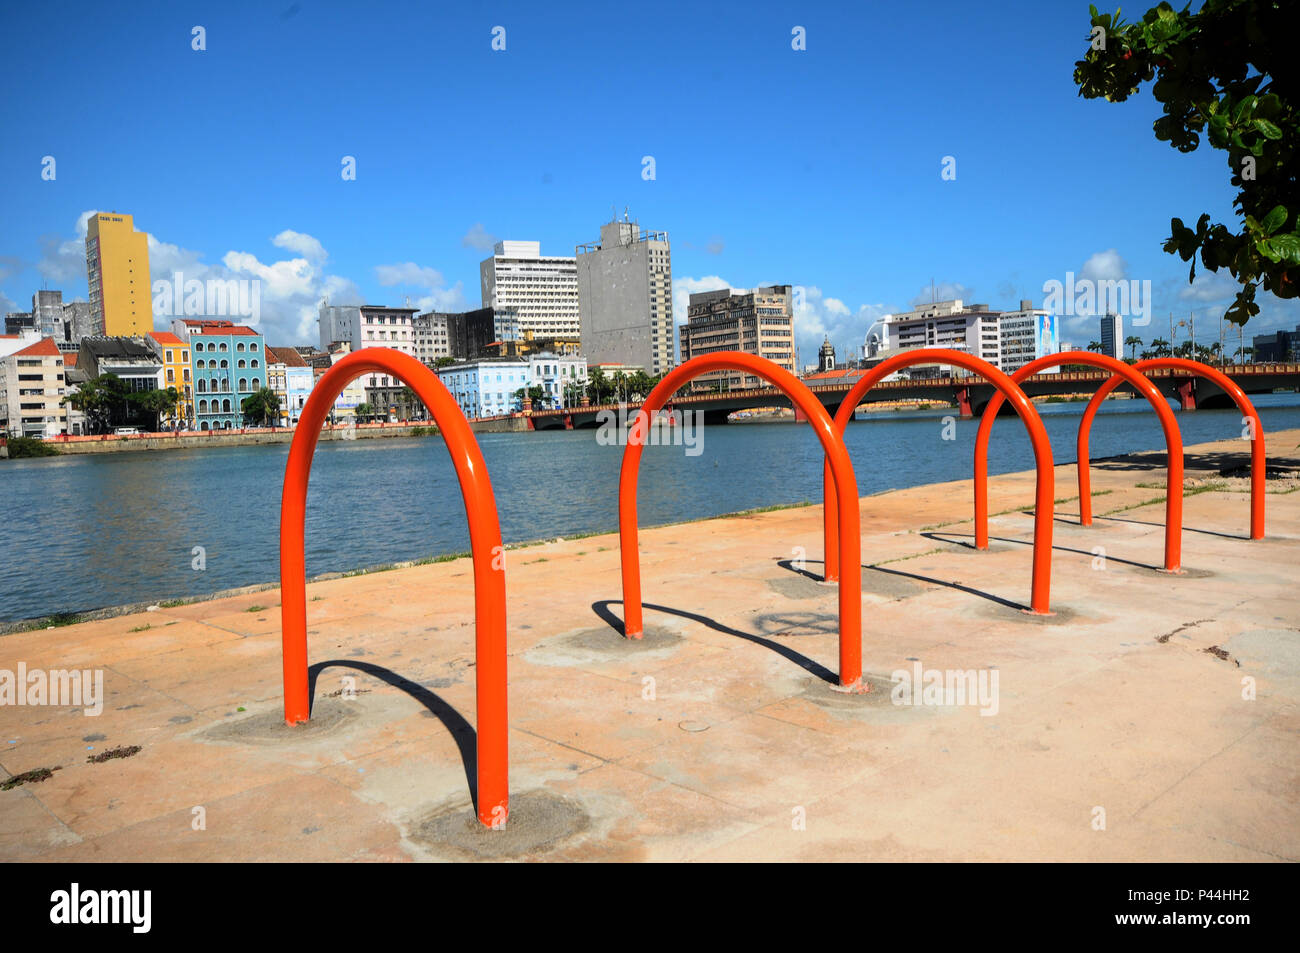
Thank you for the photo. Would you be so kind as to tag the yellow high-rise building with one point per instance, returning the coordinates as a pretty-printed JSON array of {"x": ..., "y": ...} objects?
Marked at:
[{"x": 117, "y": 270}]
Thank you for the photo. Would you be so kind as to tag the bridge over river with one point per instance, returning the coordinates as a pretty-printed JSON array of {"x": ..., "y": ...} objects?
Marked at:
[{"x": 968, "y": 392}]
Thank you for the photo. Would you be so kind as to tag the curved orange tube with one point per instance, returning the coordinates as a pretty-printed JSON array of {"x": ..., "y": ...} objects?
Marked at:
[
  {"x": 1173, "y": 446},
  {"x": 1257, "y": 458},
  {"x": 485, "y": 544},
  {"x": 1041, "y": 582},
  {"x": 850, "y": 552}
]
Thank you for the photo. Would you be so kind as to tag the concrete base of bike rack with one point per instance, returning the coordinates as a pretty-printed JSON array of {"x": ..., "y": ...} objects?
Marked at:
[
  {"x": 875, "y": 582},
  {"x": 329, "y": 717},
  {"x": 604, "y": 644},
  {"x": 539, "y": 821},
  {"x": 1185, "y": 573}
]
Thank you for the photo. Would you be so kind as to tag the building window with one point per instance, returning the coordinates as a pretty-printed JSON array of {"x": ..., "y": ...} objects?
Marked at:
[
  {"x": 243, "y": 385},
  {"x": 225, "y": 406}
]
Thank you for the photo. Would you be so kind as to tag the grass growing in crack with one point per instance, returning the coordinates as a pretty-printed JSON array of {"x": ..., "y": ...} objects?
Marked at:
[
  {"x": 143, "y": 628},
  {"x": 899, "y": 559},
  {"x": 34, "y": 776},
  {"x": 114, "y": 753},
  {"x": 256, "y": 609},
  {"x": 1014, "y": 509},
  {"x": 1187, "y": 491}
]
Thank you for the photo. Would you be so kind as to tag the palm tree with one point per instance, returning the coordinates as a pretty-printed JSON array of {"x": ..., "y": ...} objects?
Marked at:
[
  {"x": 1160, "y": 347},
  {"x": 1132, "y": 342},
  {"x": 1094, "y": 346},
  {"x": 1245, "y": 353}
]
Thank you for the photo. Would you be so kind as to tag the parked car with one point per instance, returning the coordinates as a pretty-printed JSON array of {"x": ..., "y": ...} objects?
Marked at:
[{"x": 126, "y": 431}]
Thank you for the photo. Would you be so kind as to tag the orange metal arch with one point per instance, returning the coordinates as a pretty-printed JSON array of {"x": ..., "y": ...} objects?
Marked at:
[
  {"x": 1257, "y": 458},
  {"x": 841, "y": 468},
  {"x": 1040, "y": 585},
  {"x": 485, "y": 544},
  {"x": 1173, "y": 446}
]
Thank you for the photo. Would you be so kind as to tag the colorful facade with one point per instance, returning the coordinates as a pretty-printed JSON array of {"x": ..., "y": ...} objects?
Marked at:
[
  {"x": 229, "y": 365},
  {"x": 176, "y": 372}
]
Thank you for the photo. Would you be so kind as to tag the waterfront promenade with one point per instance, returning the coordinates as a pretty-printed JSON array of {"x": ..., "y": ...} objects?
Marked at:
[{"x": 1153, "y": 717}]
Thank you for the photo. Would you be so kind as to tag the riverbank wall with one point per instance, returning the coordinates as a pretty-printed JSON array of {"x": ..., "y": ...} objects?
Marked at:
[{"x": 253, "y": 436}]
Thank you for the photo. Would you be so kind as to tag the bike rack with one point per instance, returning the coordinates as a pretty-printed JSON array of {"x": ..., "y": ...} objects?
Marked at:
[
  {"x": 1143, "y": 385},
  {"x": 839, "y": 466},
  {"x": 1257, "y": 458},
  {"x": 485, "y": 544},
  {"x": 1041, "y": 581}
]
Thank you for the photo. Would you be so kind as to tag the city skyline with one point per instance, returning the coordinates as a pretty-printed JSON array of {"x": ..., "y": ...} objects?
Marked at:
[{"x": 764, "y": 168}]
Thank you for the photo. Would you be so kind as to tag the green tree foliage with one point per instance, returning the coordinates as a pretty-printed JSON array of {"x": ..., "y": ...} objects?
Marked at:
[
  {"x": 261, "y": 408},
  {"x": 1226, "y": 72},
  {"x": 105, "y": 400}
]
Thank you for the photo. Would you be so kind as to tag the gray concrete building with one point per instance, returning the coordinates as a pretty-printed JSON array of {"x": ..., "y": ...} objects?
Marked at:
[{"x": 625, "y": 297}]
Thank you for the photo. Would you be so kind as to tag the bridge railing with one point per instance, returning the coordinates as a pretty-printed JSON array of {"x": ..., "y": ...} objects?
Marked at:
[{"x": 485, "y": 544}]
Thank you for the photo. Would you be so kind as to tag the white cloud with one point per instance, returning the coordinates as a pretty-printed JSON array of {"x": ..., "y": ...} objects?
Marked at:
[
  {"x": 290, "y": 290},
  {"x": 478, "y": 237},
  {"x": 63, "y": 261},
  {"x": 306, "y": 246},
  {"x": 437, "y": 297},
  {"x": 408, "y": 273},
  {"x": 1104, "y": 266}
]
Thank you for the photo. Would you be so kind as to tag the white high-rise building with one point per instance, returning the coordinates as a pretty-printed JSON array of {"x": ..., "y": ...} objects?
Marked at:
[{"x": 529, "y": 291}]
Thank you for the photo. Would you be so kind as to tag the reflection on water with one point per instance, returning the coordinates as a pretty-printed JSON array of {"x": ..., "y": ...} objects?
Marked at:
[{"x": 88, "y": 531}]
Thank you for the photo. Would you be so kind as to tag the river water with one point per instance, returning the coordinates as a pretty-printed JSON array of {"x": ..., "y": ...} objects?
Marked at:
[{"x": 83, "y": 532}]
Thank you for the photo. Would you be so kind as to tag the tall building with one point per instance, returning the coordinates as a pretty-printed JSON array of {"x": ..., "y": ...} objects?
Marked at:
[
  {"x": 757, "y": 322},
  {"x": 625, "y": 297},
  {"x": 117, "y": 271},
  {"x": 529, "y": 291},
  {"x": 1025, "y": 335},
  {"x": 31, "y": 391},
  {"x": 1112, "y": 336}
]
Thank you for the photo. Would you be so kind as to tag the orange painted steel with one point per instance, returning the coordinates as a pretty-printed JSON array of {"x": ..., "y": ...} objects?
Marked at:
[
  {"x": 841, "y": 468},
  {"x": 1173, "y": 446},
  {"x": 1257, "y": 474},
  {"x": 1041, "y": 580},
  {"x": 485, "y": 544}
]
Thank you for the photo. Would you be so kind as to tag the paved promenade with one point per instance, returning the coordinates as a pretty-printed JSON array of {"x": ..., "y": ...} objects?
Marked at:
[{"x": 1153, "y": 717}]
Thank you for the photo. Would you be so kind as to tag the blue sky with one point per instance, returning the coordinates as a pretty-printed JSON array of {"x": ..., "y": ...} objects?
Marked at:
[{"x": 819, "y": 168}]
